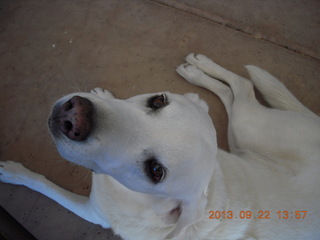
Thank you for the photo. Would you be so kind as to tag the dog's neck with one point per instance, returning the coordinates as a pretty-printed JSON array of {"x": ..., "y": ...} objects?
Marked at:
[
  {"x": 216, "y": 191},
  {"x": 165, "y": 211},
  {"x": 227, "y": 183},
  {"x": 117, "y": 196}
]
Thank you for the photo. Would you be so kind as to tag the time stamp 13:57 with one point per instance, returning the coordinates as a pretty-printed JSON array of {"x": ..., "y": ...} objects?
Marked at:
[{"x": 281, "y": 214}]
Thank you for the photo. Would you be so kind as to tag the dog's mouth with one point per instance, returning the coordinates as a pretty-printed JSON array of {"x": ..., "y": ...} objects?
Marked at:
[{"x": 72, "y": 118}]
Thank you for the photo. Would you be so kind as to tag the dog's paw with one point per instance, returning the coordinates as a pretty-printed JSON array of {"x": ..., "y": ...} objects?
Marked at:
[
  {"x": 197, "y": 59},
  {"x": 191, "y": 73},
  {"x": 206, "y": 65},
  {"x": 102, "y": 93},
  {"x": 15, "y": 173},
  {"x": 201, "y": 61}
]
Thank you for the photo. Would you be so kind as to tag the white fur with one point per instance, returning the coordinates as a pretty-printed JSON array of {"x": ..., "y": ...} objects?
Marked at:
[{"x": 273, "y": 164}]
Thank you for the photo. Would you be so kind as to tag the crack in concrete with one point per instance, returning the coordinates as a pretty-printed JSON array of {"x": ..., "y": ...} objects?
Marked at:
[{"x": 234, "y": 25}]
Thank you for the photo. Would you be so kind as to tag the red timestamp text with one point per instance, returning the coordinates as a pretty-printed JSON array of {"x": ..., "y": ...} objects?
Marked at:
[{"x": 247, "y": 214}]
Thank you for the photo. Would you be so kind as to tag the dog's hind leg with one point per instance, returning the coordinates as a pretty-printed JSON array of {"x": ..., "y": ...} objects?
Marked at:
[
  {"x": 235, "y": 92},
  {"x": 197, "y": 77},
  {"x": 241, "y": 87},
  {"x": 274, "y": 92},
  {"x": 193, "y": 75},
  {"x": 254, "y": 128},
  {"x": 15, "y": 173}
]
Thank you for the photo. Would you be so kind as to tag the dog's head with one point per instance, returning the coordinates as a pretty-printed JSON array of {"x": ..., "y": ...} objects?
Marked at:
[{"x": 162, "y": 144}]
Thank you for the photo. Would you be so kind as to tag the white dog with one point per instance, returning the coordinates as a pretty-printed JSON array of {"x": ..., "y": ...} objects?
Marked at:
[{"x": 157, "y": 171}]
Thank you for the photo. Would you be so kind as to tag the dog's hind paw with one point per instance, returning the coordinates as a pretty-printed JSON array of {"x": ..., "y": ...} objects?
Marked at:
[
  {"x": 16, "y": 173},
  {"x": 208, "y": 66},
  {"x": 201, "y": 61},
  {"x": 191, "y": 73},
  {"x": 196, "y": 59}
]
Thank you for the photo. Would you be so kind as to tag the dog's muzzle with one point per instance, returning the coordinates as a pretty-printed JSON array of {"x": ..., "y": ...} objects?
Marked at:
[{"x": 73, "y": 118}]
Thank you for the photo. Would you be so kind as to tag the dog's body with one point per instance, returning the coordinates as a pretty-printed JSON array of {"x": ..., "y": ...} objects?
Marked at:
[{"x": 159, "y": 174}]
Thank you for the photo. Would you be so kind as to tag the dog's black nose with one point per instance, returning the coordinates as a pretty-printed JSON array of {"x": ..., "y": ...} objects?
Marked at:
[{"x": 75, "y": 118}]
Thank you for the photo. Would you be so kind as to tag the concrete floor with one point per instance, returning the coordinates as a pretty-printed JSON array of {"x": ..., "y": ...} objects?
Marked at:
[{"x": 50, "y": 48}]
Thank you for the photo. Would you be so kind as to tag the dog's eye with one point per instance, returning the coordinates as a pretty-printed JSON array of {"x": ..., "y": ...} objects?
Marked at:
[
  {"x": 158, "y": 102},
  {"x": 155, "y": 170}
]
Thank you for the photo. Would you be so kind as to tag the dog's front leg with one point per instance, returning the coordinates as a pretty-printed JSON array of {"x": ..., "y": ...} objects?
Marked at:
[{"x": 16, "y": 173}]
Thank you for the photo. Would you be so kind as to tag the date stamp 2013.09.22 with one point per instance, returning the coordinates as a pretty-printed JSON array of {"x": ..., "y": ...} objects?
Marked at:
[{"x": 280, "y": 214}]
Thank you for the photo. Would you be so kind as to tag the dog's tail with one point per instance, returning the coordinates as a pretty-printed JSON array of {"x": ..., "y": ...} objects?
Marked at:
[{"x": 274, "y": 92}]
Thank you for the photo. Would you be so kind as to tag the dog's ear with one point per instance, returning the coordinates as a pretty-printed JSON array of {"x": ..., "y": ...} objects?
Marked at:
[
  {"x": 191, "y": 211},
  {"x": 196, "y": 99}
]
